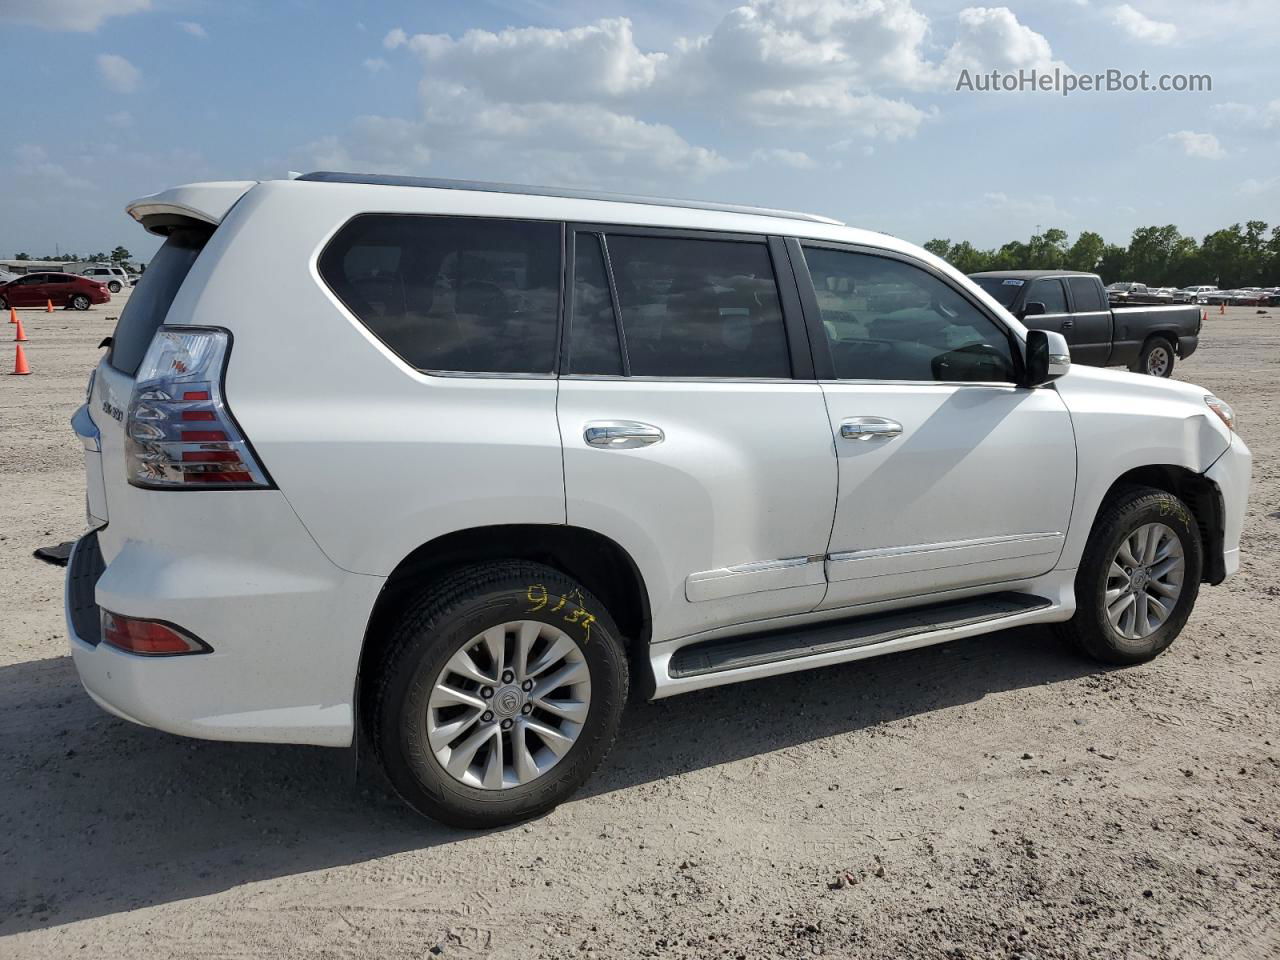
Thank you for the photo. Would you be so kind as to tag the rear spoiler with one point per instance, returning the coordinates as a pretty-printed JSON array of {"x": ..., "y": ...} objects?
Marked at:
[{"x": 204, "y": 202}]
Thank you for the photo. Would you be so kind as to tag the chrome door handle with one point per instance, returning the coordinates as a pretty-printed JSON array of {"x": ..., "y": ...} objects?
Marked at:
[
  {"x": 621, "y": 434},
  {"x": 1068, "y": 324},
  {"x": 868, "y": 428}
]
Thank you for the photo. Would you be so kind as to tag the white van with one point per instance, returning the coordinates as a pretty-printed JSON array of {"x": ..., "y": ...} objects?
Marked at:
[{"x": 455, "y": 468}]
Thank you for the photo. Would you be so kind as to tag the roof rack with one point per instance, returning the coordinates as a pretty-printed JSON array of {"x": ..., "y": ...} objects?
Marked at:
[{"x": 568, "y": 193}]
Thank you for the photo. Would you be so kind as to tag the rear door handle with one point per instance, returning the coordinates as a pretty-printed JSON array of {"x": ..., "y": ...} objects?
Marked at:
[
  {"x": 1068, "y": 324},
  {"x": 621, "y": 434},
  {"x": 869, "y": 428}
]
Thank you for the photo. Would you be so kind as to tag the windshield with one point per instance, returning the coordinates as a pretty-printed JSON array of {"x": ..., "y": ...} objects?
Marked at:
[{"x": 1004, "y": 289}]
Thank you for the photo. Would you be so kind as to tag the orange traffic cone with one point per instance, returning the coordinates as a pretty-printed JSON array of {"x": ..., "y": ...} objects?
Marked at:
[
  {"x": 21, "y": 334},
  {"x": 48, "y": 306},
  {"x": 1204, "y": 315},
  {"x": 20, "y": 367},
  {"x": 13, "y": 315}
]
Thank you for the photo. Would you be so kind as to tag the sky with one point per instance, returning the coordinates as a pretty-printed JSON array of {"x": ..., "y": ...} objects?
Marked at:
[{"x": 848, "y": 108}]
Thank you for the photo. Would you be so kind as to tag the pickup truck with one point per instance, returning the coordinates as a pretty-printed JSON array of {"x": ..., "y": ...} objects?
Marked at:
[{"x": 1146, "y": 339}]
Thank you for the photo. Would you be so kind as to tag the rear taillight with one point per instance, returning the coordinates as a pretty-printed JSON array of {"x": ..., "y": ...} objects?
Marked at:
[
  {"x": 149, "y": 638},
  {"x": 180, "y": 434}
]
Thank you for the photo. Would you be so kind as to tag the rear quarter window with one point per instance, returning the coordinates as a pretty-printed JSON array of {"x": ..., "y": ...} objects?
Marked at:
[
  {"x": 452, "y": 294},
  {"x": 152, "y": 297}
]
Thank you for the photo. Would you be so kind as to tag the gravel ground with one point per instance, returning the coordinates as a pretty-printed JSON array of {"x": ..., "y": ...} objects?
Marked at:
[{"x": 993, "y": 797}]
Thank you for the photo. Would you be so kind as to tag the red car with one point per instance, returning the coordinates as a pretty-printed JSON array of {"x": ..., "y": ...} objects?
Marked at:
[{"x": 60, "y": 289}]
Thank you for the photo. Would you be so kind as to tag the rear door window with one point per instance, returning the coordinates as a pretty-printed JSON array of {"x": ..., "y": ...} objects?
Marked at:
[
  {"x": 151, "y": 298},
  {"x": 452, "y": 294},
  {"x": 699, "y": 308}
]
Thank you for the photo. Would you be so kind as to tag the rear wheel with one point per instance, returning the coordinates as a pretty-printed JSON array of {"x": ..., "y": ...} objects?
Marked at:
[
  {"x": 114, "y": 286},
  {"x": 1156, "y": 358},
  {"x": 80, "y": 302},
  {"x": 501, "y": 692},
  {"x": 1138, "y": 579},
  {"x": 4, "y": 303}
]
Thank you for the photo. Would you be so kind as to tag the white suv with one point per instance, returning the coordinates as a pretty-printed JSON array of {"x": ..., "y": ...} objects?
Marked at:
[
  {"x": 452, "y": 468},
  {"x": 114, "y": 278}
]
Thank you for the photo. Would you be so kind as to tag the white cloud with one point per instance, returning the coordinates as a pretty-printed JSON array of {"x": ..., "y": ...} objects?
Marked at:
[
  {"x": 195, "y": 29},
  {"x": 1202, "y": 145},
  {"x": 118, "y": 73},
  {"x": 376, "y": 65},
  {"x": 80, "y": 15},
  {"x": 781, "y": 157},
  {"x": 1141, "y": 27},
  {"x": 32, "y": 160},
  {"x": 1266, "y": 117},
  {"x": 590, "y": 103},
  {"x": 992, "y": 38},
  {"x": 1253, "y": 187}
]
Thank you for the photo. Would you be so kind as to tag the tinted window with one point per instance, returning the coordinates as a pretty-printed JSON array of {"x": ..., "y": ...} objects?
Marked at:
[
  {"x": 1049, "y": 292},
  {"x": 452, "y": 293},
  {"x": 1004, "y": 289},
  {"x": 1085, "y": 294},
  {"x": 33, "y": 278},
  {"x": 699, "y": 308},
  {"x": 889, "y": 320},
  {"x": 60, "y": 278},
  {"x": 151, "y": 299},
  {"x": 593, "y": 331}
]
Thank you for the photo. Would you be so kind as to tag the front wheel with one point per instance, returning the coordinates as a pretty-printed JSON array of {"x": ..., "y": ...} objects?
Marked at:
[
  {"x": 1156, "y": 358},
  {"x": 80, "y": 302},
  {"x": 500, "y": 693},
  {"x": 1138, "y": 578}
]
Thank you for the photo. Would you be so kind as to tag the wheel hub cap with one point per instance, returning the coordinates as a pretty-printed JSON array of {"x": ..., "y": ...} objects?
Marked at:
[
  {"x": 508, "y": 705},
  {"x": 1144, "y": 581}
]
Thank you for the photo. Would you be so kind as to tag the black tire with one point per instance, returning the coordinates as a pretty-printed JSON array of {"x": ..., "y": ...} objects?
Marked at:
[
  {"x": 1157, "y": 357},
  {"x": 1090, "y": 629},
  {"x": 432, "y": 629},
  {"x": 4, "y": 304},
  {"x": 79, "y": 302},
  {"x": 114, "y": 286}
]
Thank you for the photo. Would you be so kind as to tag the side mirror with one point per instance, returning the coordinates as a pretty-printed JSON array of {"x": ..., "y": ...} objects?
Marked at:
[
  {"x": 1034, "y": 309},
  {"x": 1048, "y": 357}
]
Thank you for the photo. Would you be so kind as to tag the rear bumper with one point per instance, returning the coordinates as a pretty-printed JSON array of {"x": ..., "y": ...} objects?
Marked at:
[
  {"x": 1232, "y": 473},
  {"x": 286, "y": 627}
]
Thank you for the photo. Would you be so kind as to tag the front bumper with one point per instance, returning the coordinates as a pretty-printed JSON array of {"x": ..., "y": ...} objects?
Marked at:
[
  {"x": 1232, "y": 473},
  {"x": 286, "y": 634}
]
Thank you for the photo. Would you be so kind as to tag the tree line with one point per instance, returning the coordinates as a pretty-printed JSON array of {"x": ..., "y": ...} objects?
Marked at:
[
  {"x": 1237, "y": 256},
  {"x": 118, "y": 255}
]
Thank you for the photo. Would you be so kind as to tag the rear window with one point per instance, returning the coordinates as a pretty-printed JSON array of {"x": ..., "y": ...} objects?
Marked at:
[
  {"x": 452, "y": 294},
  {"x": 152, "y": 297}
]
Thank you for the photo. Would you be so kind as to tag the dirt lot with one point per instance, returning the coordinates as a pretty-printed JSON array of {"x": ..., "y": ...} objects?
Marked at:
[{"x": 994, "y": 797}]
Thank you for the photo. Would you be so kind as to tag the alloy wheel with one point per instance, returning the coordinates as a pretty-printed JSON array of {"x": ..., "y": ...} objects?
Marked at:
[
  {"x": 509, "y": 705},
  {"x": 1144, "y": 581}
]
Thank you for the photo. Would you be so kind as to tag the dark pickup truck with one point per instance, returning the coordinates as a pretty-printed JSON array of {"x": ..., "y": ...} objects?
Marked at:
[{"x": 1146, "y": 339}]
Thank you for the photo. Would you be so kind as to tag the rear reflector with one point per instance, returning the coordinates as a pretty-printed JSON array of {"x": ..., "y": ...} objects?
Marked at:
[{"x": 148, "y": 638}]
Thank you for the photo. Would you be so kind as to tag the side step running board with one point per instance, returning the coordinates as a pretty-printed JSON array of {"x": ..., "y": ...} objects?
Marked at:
[{"x": 755, "y": 649}]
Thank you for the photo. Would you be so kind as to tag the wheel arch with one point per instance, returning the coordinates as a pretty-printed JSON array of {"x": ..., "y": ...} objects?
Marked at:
[
  {"x": 599, "y": 563},
  {"x": 1198, "y": 492}
]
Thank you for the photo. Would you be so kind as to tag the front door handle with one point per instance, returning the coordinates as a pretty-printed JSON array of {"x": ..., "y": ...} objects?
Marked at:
[
  {"x": 869, "y": 428},
  {"x": 621, "y": 434},
  {"x": 1068, "y": 324}
]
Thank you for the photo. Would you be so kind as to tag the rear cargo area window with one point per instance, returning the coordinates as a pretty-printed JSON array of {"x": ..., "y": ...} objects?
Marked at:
[
  {"x": 152, "y": 297},
  {"x": 452, "y": 294}
]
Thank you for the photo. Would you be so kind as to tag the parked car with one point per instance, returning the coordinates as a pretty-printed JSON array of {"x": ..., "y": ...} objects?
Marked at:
[
  {"x": 587, "y": 446},
  {"x": 1195, "y": 294},
  {"x": 114, "y": 278},
  {"x": 1146, "y": 339},
  {"x": 63, "y": 289}
]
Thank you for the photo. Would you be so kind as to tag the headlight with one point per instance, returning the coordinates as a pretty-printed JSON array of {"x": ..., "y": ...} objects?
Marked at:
[{"x": 1222, "y": 409}]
